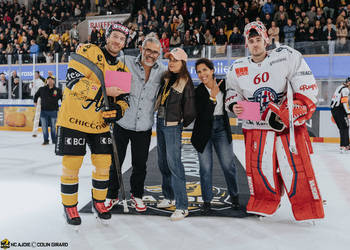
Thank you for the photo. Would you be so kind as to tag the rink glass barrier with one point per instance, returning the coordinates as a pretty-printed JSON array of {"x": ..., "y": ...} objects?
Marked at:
[{"x": 327, "y": 61}]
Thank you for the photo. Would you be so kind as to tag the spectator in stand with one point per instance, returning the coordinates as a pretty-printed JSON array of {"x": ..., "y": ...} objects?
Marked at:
[
  {"x": 180, "y": 28},
  {"x": 267, "y": 20},
  {"x": 273, "y": 33},
  {"x": 93, "y": 36},
  {"x": 65, "y": 37},
  {"x": 221, "y": 38},
  {"x": 268, "y": 7},
  {"x": 318, "y": 32},
  {"x": 3, "y": 86},
  {"x": 236, "y": 38},
  {"x": 175, "y": 40},
  {"x": 289, "y": 33},
  {"x": 311, "y": 14},
  {"x": 342, "y": 33},
  {"x": 38, "y": 82},
  {"x": 74, "y": 33},
  {"x": 280, "y": 14},
  {"x": 49, "y": 95},
  {"x": 320, "y": 16},
  {"x": 330, "y": 34},
  {"x": 164, "y": 41},
  {"x": 208, "y": 38},
  {"x": 16, "y": 88},
  {"x": 329, "y": 7},
  {"x": 341, "y": 17},
  {"x": 34, "y": 50},
  {"x": 329, "y": 22}
]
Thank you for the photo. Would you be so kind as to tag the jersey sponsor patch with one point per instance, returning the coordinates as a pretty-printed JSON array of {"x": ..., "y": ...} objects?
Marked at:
[
  {"x": 72, "y": 77},
  {"x": 243, "y": 71},
  {"x": 305, "y": 87}
]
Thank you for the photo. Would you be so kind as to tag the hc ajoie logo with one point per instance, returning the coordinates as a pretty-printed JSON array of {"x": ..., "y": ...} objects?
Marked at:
[
  {"x": 105, "y": 140},
  {"x": 74, "y": 141}
]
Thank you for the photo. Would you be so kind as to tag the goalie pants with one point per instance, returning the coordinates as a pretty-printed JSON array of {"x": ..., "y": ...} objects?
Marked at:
[
  {"x": 342, "y": 121},
  {"x": 271, "y": 167},
  {"x": 72, "y": 145}
]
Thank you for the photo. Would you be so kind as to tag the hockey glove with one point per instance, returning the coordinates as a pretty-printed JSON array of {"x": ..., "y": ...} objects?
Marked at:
[
  {"x": 115, "y": 111},
  {"x": 303, "y": 108},
  {"x": 271, "y": 116}
]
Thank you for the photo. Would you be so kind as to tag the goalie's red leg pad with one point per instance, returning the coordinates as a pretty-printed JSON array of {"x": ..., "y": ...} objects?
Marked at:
[
  {"x": 264, "y": 184},
  {"x": 298, "y": 176}
]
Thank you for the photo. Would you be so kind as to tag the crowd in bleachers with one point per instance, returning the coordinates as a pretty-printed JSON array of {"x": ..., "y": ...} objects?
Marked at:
[
  {"x": 38, "y": 30},
  {"x": 193, "y": 23}
]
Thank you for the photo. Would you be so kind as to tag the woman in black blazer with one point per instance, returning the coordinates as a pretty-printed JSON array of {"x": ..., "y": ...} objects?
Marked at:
[{"x": 212, "y": 128}]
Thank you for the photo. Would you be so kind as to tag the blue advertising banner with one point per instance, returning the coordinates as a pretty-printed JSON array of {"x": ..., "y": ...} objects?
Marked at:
[{"x": 321, "y": 66}]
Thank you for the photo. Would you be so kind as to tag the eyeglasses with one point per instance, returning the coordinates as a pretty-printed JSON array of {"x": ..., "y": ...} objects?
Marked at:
[{"x": 151, "y": 52}]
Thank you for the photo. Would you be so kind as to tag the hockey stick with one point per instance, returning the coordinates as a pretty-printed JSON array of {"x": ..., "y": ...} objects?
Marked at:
[
  {"x": 100, "y": 76},
  {"x": 36, "y": 118},
  {"x": 292, "y": 145}
]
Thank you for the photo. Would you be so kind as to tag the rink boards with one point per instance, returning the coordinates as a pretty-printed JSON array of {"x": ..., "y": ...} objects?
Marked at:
[{"x": 321, "y": 127}]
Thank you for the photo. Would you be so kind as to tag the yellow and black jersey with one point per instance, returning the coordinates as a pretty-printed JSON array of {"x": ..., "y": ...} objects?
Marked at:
[{"x": 82, "y": 97}]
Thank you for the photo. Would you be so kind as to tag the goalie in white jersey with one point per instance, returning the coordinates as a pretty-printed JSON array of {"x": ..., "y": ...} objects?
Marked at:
[
  {"x": 271, "y": 167},
  {"x": 341, "y": 113}
]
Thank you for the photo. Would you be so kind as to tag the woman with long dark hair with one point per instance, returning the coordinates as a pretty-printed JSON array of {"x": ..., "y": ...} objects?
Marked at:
[
  {"x": 212, "y": 129},
  {"x": 176, "y": 109}
]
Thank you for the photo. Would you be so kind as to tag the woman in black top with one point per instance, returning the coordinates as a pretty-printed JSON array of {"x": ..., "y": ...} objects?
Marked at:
[{"x": 212, "y": 129}]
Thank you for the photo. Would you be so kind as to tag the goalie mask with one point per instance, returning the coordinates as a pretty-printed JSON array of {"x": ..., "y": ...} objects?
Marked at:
[{"x": 258, "y": 28}]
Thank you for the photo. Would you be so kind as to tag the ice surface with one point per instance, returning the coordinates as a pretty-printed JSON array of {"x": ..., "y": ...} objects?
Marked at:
[{"x": 31, "y": 209}]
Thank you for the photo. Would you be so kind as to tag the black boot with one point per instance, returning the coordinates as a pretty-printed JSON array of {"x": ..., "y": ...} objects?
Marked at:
[
  {"x": 205, "y": 208},
  {"x": 235, "y": 203},
  {"x": 72, "y": 215}
]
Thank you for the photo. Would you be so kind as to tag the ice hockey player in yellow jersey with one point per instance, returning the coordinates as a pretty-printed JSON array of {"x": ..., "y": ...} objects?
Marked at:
[{"x": 83, "y": 121}]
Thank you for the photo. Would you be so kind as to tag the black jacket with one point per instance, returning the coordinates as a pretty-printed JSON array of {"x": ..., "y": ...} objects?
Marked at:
[
  {"x": 179, "y": 105},
  {"x": 49, "y": 98},
  {"x": 204, "y": 120}
]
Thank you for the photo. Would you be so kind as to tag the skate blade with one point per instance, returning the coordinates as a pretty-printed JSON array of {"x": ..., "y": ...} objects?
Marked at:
[
  {"x": 101, "y": 221},
  {"x": 75, "y": 228}
]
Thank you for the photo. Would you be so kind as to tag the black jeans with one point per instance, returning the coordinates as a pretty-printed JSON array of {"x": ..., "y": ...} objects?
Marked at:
[
  {"x": 140, "y": 142},
  {"x": 342, "y": 121}
]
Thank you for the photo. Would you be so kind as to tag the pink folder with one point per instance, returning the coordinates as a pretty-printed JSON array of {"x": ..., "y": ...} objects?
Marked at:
[
  {"x": 251, "y": 111},
  {"x": 118, "y": 79}
]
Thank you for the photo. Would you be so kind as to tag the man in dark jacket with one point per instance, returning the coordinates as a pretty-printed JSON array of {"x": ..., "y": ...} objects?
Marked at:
[{"x": 49, "y": 95}]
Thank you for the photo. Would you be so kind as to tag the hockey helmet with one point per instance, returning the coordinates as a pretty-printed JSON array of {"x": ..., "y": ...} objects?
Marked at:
[
  {"x": 259, "y": 27},
  {"x": 117, "y": 27}
]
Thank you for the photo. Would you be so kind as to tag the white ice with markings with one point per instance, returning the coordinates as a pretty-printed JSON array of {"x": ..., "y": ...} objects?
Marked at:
[{"x": 31, "y": 209}]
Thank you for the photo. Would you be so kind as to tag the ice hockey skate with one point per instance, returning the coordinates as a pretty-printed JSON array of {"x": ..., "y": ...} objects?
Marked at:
[
  {"x": 72, "y": 216},
  {"x": 100, "y": 211}
]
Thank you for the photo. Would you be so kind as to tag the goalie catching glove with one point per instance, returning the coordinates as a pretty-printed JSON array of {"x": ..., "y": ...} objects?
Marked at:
[
  {"x": 278, "y": 116},
  {"x": 115, "y": 111}
]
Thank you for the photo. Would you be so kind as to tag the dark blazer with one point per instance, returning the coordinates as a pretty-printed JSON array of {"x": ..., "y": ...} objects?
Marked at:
[{"x": 204, "y": 120}]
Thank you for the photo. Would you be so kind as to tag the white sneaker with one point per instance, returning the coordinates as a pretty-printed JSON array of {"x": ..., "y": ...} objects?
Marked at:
[
  {"x": 179, "y": 214},
  {"x": 110, "y": 203},
  {"x": 344, "y": 150},
  {"x": 138, "y": 204},
  {"x": 165, "y": 203}
]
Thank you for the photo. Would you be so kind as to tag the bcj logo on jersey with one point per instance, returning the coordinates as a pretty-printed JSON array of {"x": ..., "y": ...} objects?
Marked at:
[
  {"x": 74, "y": 141},
  {"x": 105, "y": 140}
]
